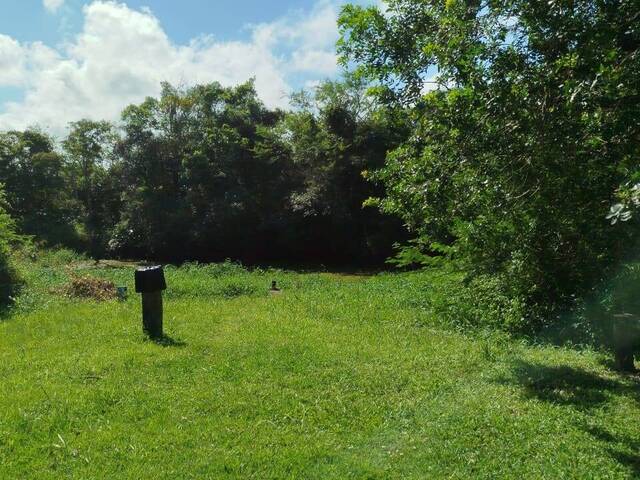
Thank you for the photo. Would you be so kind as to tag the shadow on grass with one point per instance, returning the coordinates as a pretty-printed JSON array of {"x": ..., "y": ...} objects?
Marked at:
[
  {"x": 585, "y": 391},
  {"x": 167, "y": 341},
  {"x": 8, "y": 294},
  {"x": 5, "y": 313},
  {"x": 570, "y": 386},
  {"x": 624, "y": 449}
]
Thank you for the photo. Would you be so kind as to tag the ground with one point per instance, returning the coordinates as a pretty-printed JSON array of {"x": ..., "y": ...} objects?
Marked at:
[{"x": 336, "y": 377}]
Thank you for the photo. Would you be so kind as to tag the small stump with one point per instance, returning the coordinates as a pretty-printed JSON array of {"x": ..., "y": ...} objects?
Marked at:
[
  {"x": 274, "y": 290},
  {"x": 626, "y": 340},
  {"x": 121, "y": 292},
  {"x": 150, "y": 283}
]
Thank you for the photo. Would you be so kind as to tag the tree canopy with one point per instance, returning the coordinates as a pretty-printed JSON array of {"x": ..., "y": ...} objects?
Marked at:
[
  {"x": 525, "y": 123},
  {"x": 208, "y": 173}
]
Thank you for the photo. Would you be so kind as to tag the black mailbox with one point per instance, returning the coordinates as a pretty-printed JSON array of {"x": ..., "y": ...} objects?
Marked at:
[
  {"x": 150, "y": 283},
  {"x": 150, "y": 279}
]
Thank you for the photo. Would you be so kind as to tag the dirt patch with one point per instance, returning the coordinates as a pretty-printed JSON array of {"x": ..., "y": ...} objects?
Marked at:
[{"x": 88, "y": 287}]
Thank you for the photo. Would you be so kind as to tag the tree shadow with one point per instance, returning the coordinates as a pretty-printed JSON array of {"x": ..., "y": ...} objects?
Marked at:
[
  {"x": 569, "y": 386},
  {"x": 624, "y": 449},
  {"x": 8, "y": 295},
  {"x": 584, "y": 391},
  {"x": 5, "y": 312},
  {"x": 167, "y": 341}
]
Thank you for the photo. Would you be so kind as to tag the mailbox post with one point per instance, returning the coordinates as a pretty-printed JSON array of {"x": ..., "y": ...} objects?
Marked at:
[{"x": 150, "y": 283}]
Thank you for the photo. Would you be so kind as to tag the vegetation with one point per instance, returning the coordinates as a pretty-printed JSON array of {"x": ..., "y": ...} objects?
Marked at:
[
  {"x": 339, "y": 376},
  {"x": 209, "y": 173},
  {"x": 8, "y": 276},
  {"x": 504, "y": 135},
  {"x": 36, "y": 188},
  {"x": 524, "y": 125},
  {"x": 499, "y": 141}
]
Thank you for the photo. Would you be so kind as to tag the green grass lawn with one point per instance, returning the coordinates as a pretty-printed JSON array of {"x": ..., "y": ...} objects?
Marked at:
[{"x": 337, "y": 377}]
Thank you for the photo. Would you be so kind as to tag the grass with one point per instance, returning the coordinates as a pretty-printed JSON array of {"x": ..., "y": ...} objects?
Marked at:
[{"x": 337, "y": 377}]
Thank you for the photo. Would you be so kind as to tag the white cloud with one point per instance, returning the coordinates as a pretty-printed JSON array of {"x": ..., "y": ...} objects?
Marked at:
[
  {"x": 122, "y": 55},
  {"x": 320, "y": 61},
  {"x": 12, "y": 65},
  {"x": 17, "y": 61},
  {"x": 52, "y": 5}
]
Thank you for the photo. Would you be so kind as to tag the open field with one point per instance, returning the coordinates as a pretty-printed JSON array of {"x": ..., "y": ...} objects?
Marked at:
[{"x": 337, "y": 377}]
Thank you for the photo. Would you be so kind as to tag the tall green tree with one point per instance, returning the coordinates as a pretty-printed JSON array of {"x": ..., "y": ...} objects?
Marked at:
[
  {"x": 193, "y": 183},
  {"x": 334, "y": 135},
  {"x": 526, "y": 120},
  {"x": 91, "y": 170},
  {"x": 36, "y": 190}
]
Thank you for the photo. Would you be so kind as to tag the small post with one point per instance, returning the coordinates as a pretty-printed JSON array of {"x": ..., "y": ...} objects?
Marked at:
[
  {"x": 274, "y": 290},
  {"x": 150, "y": 283},
  {"x": 121, "y": 293},
  {"x": 626, "y": 337}
]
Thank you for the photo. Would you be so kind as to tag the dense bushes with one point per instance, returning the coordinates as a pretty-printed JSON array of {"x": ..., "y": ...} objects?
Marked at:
[
  {"x": 208, "y": 173},
  {"x": 526, "y": 120},
  {"x": 8, "y": 276}
]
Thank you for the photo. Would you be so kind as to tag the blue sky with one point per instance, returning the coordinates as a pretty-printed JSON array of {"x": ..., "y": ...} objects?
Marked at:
[
  {"x": 29, "y": 20},
  {"x": 61, "y": 60}
]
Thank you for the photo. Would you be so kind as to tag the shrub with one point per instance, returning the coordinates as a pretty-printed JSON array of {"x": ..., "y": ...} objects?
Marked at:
[
  {"x": 621, "y": 294},
  {"x": 8, "y": 276},
  {"x": 519, "y": 149},
  {"x": 478, "y": 302}
]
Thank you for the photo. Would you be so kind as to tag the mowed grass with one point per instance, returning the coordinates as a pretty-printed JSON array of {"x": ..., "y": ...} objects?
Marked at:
[{"x": 336, "y": 377}]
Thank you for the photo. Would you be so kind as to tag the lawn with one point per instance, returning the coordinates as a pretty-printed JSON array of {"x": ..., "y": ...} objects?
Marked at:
[{"x": 339, "y": 376}]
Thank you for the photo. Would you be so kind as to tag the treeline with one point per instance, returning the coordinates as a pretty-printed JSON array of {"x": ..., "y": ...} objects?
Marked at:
[{"x": 208, "y": 173}]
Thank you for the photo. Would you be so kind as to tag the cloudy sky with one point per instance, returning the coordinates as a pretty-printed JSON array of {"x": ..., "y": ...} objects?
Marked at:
[{"x": 62, "y": 60}]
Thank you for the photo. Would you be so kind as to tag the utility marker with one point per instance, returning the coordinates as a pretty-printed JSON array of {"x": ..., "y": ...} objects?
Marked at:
[{"x": 150, "y": 283}]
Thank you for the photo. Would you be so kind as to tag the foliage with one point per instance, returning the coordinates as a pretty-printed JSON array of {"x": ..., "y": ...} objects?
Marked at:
[
  {"x": 8, "y": 239},
  {"x": 618, "y": 295},
  {"x": 92, "y": 174},
  {"x": 37, "y": 192},
  {"x": 192, "y": 182},
  {"x": 525, "y": 122},
  {"x": 333, "y": 137},
  {"x": 340, "y": 376},
  {"x": 209, "y": 173}
]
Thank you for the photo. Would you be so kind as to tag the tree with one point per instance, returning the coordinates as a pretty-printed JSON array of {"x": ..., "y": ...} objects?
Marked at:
[
  {"x": 36, "y": 190},
  {"x": 193, "y": 183},
  {"x": 525, "y": 122},
  {"x": 334, "y": 135},
  {"x": 90, "y": 168}
]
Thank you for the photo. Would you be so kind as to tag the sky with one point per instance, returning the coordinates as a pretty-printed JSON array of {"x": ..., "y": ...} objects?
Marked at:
[{"x": 63, "y": 60}]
